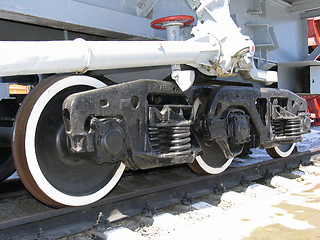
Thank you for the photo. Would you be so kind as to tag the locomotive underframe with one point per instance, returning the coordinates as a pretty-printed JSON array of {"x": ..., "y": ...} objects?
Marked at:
[{"x": 150, "y": 123}]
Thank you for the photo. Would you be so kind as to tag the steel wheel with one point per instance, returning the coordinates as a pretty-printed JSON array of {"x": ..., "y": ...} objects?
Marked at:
[
  {"x": 211, "y": 161},
  {"x": 6, "y": 163},
  {"x": 281, "y": 151},
  {"x": 41, "y": 155}
]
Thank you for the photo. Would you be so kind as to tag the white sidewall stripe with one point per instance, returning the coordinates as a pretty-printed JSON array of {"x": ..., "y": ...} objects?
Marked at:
[
  {"x": 31, "y": 156},
  {"x": 212, "y": 170},
  {"x": 286, "y": 153}
]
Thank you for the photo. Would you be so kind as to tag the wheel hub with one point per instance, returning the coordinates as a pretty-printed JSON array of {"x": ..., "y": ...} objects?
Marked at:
[
  {"x": 110, "y": 141},
  {"x": 239, "y": 128}
]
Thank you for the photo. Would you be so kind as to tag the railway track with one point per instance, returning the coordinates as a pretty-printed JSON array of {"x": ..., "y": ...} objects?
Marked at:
[{"x": 22, "y": 217}]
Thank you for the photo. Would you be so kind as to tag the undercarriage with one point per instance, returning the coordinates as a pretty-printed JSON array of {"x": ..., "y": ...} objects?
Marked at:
[
  {"x": 149, "y": 123},
  {"x": 74, "y": 136}
]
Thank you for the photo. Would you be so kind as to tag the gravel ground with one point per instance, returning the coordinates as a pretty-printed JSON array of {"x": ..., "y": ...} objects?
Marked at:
[{"x": 286, "y": 206}]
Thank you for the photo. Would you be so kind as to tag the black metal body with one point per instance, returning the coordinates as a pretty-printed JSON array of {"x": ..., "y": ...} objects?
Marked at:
[
  {"x": 147, "y": 113},
  {"x": 150, "y": 123},
  {"x": 275, "y": 117}
]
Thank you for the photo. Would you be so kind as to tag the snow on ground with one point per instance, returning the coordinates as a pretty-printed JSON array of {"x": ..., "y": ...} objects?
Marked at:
[
  {"x": 310, "y": 140},
  {"x": 285, "y": 207},
  {"x": 288, "y": 207},
  {"x": 14, "y": 175}
]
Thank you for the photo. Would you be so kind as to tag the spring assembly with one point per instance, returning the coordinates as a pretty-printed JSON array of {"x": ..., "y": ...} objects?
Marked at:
[
  {"x": 292, "y": 127},
  {"x": 155, "y": 135},
  {"x": 287, "y": 127},
  {"x": 278, "y": 128},
  {"x": 179, "y": 139},
  {"x": 170, "y": 139}
]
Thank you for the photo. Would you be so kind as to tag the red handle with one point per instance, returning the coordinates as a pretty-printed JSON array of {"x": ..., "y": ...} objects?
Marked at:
[{"x": 185, "y": 19}]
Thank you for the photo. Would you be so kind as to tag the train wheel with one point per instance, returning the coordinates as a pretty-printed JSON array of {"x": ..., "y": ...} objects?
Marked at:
[
  {"x": 281, "y": 151},
  {"x": 211, "y": 161},
  {"x": 41, "y": 154},
  {"x": 6, "y": 163}
]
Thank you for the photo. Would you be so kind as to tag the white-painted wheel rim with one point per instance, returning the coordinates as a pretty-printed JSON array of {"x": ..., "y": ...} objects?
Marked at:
[
  {"x": 31, "y": 157},
  {"x": 213, "y": 170},
  {"x": 284, "y": 153}
]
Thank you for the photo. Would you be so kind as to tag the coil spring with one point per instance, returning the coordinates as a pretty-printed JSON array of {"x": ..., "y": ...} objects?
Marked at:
[
  {"x": 179, "y": 141},
  {"x": 155, "y": 135},
  {"x": 170, "y": 139},
  {"x": 278, "y": 127},
  {"x": 289, "y": 127},
  {"x": 292, "y": 127}
]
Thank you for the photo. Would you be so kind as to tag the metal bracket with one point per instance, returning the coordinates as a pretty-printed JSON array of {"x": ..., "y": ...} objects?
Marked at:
[
  {"x": 184, "y": 79},
  {"x": 194, "y": 4},
  {"x": 144, "y": 7},
  {"x": 314, "y": 55},
  {"x": 259, "y": 7}
]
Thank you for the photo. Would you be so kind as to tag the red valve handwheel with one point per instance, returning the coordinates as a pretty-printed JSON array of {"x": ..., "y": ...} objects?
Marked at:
[{"x": 185, "y": 19}]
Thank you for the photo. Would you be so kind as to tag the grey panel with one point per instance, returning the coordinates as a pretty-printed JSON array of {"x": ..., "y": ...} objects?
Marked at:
[
  {"x": 304, "y": 5},
  {"x": 17, "y": 31},
  {"x": 4, "y": 91},
  {"x": 76, "y": 16},
  {"x": 276, "y": 27}
]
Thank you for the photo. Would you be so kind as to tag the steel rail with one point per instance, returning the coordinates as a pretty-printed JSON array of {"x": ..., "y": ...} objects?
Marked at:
[{"x": 143, "y": 192}]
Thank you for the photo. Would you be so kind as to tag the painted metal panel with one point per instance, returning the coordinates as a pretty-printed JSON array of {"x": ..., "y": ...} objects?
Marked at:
[
  {"x": 76, "y": 16},
  {"x": 288, "y": 29},
  {"x": 301, "y": 6}
]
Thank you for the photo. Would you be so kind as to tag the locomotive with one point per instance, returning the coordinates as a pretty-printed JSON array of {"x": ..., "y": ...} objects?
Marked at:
[{"x": 78, "y": 128}]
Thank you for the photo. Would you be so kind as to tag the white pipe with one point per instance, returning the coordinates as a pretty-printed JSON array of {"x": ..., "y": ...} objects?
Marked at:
[{"x": 23, "y": 58}]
